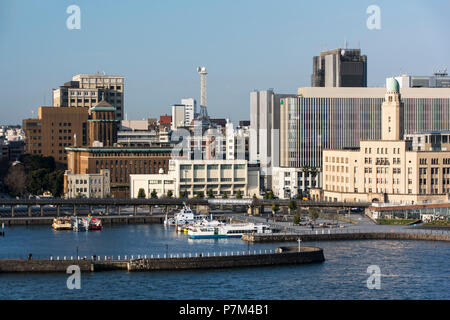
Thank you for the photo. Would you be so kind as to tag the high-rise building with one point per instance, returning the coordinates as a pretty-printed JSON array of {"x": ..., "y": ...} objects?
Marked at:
[
  {"x": 264, "y": 129},
  {"x": 340, "y": 68},
  {"x": 390, "y": 169},
  {"x": 338, "y": 118},
  {"x": 86, "y": 90},
  {"x": 54, "y": 130},
  {"x": 190, "y": 109},
  {"x": 178, "y": 116}
]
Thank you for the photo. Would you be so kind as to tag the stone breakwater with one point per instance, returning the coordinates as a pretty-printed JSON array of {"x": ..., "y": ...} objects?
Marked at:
[
  {"x": 23, "y": 265},
  {"x": 281, "y": 256},
  {"x": 346, "y": 236}
]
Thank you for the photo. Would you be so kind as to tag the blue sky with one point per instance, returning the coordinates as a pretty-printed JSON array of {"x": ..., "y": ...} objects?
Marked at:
[{"x": 245, "y": 45}]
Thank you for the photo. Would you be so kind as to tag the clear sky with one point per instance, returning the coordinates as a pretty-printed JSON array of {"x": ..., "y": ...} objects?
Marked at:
[{"x": 245, "y": 45}]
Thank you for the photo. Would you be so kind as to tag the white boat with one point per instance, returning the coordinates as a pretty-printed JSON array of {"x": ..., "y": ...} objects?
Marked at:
[
  {"x": 185, "y": 217},
  {"x": 233, "y": 230}
]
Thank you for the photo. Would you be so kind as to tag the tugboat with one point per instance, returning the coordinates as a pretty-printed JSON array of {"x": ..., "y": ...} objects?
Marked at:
[{"x": 61, "y": 224}]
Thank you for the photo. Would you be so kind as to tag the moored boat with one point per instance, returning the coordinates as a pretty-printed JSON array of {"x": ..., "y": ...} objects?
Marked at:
[
  {"x": 234, "y": 230},
  {"x": 186, "y": 216},
  {"x": 61, "y": 224}
]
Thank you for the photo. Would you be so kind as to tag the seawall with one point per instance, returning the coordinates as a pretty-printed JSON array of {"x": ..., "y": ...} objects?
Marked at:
[
  {"x": 22, "y": 265},
  {"x": 345, "y": 236},
  {"x": 283, "y": 257},
  {"x": 106, "y": 220}
]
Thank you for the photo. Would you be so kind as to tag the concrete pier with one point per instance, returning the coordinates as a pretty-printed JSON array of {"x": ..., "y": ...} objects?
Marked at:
[
  {"x": 283, "y": 256},
  {"x": 280, "y": 256},
  {"x": 280, "y": 237}
]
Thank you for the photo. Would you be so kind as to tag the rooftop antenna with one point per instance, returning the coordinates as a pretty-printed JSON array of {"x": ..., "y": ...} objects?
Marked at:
[
  {"x": 345, "y": 44},
  {"x": 359, "y": 44}
]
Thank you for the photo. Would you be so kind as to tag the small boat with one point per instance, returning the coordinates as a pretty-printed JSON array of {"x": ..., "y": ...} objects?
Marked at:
[
  {"x": 61, "y": 224},
  {"x": 95, "y": 224},
  {"x": 233, "y": 230}
]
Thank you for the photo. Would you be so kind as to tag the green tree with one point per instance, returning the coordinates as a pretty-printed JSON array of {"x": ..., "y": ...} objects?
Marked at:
[
  {"x": 299, "y": 195},
  {"x": 169, "y": 194},
  {"x": 269, "y": 195},
  {"x": 313, "y": 214},
  {"x": 239, "y": 194},
  {"x": 56, "y": 183},
  {"x": 141, "y": 193},
  {"x": 275, "y": 208},
  {"x": 38, "y": 181},
  {"x": 199, "y": 195},
  {"x": 292, "y": 205},
  {"x": 225, "y": 195},
  {"x": 183, "y": 194},
  {"x": 210, "y": 194},
  {"x": 296, "y": 219},
  {"x": 254, "y": 196},
  {"x": 154, "y": 194}
]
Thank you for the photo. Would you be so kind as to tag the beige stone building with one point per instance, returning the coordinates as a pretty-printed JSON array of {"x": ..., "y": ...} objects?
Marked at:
[
  {"x": 93, "y": 185},
  {"x": 394, "y": 169}
]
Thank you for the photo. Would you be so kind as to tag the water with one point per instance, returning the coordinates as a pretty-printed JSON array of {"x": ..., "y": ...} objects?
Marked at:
[{"x": 410, "y": 269}]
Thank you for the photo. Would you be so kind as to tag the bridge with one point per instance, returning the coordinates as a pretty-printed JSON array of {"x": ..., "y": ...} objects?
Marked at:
[{"x": 253, "y": 206}]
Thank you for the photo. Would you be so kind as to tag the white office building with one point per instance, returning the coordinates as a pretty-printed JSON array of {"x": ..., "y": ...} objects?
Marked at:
[{"x": 200, "y": 176}]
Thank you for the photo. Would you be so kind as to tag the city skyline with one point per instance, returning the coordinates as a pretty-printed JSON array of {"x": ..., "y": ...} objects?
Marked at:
[{"x": 157, "y": 47}]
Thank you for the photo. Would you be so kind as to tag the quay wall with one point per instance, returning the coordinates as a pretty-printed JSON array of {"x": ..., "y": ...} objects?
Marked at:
[
  {"x": 306, "y": 256},
  {"x": 22, "y": 265},
  {"x": 25, "y": 221},
  {"x": 345, "y": 236}
]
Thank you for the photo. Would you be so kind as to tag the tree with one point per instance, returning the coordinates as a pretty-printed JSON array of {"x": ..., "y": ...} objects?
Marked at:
[
  {"x": 305, "y": 169},
  {"x": 199, "y": 195},
  {"x": 269, "y": 195},
  {"x": 169, "y": 194},
  {"x": 313, "y": 213},
  {"x": 141, "y": 193},
  {"x": 296, "y": 219},
  {"x": 275, "y": 208},
  {"x": 38, "y": 181},
  {"x": 292, "y": 205},
  {"x": 16, "y": 180},
  {"x": 254, "y": 197},
  {"x": 210, "y": 194},
  {"x": 299, "y": 195},
  {"x": 225, "y": 195},
  {"x": 239, "y": 194},
  {"x": 154, "y": 194},
  {"x": 183, "y": 194},
  {"x": 313, "y": 172},
  {"x": 56, "y": 183}
]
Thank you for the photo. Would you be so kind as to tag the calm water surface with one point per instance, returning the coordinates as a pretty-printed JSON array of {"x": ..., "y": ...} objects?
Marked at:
[{"x": 410, "y": 269}]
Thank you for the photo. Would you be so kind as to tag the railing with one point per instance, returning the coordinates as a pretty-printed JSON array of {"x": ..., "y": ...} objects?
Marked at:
[
  {"x": 126, "y": 258},
  {"x": 285, "y": 229}
]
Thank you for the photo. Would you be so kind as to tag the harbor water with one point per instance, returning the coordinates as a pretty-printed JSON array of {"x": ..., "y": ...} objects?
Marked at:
[{"x": 409, "y": 269}]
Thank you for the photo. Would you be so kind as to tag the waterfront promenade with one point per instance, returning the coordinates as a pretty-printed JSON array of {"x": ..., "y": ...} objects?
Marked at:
[{"x": 363, "y": 229}]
